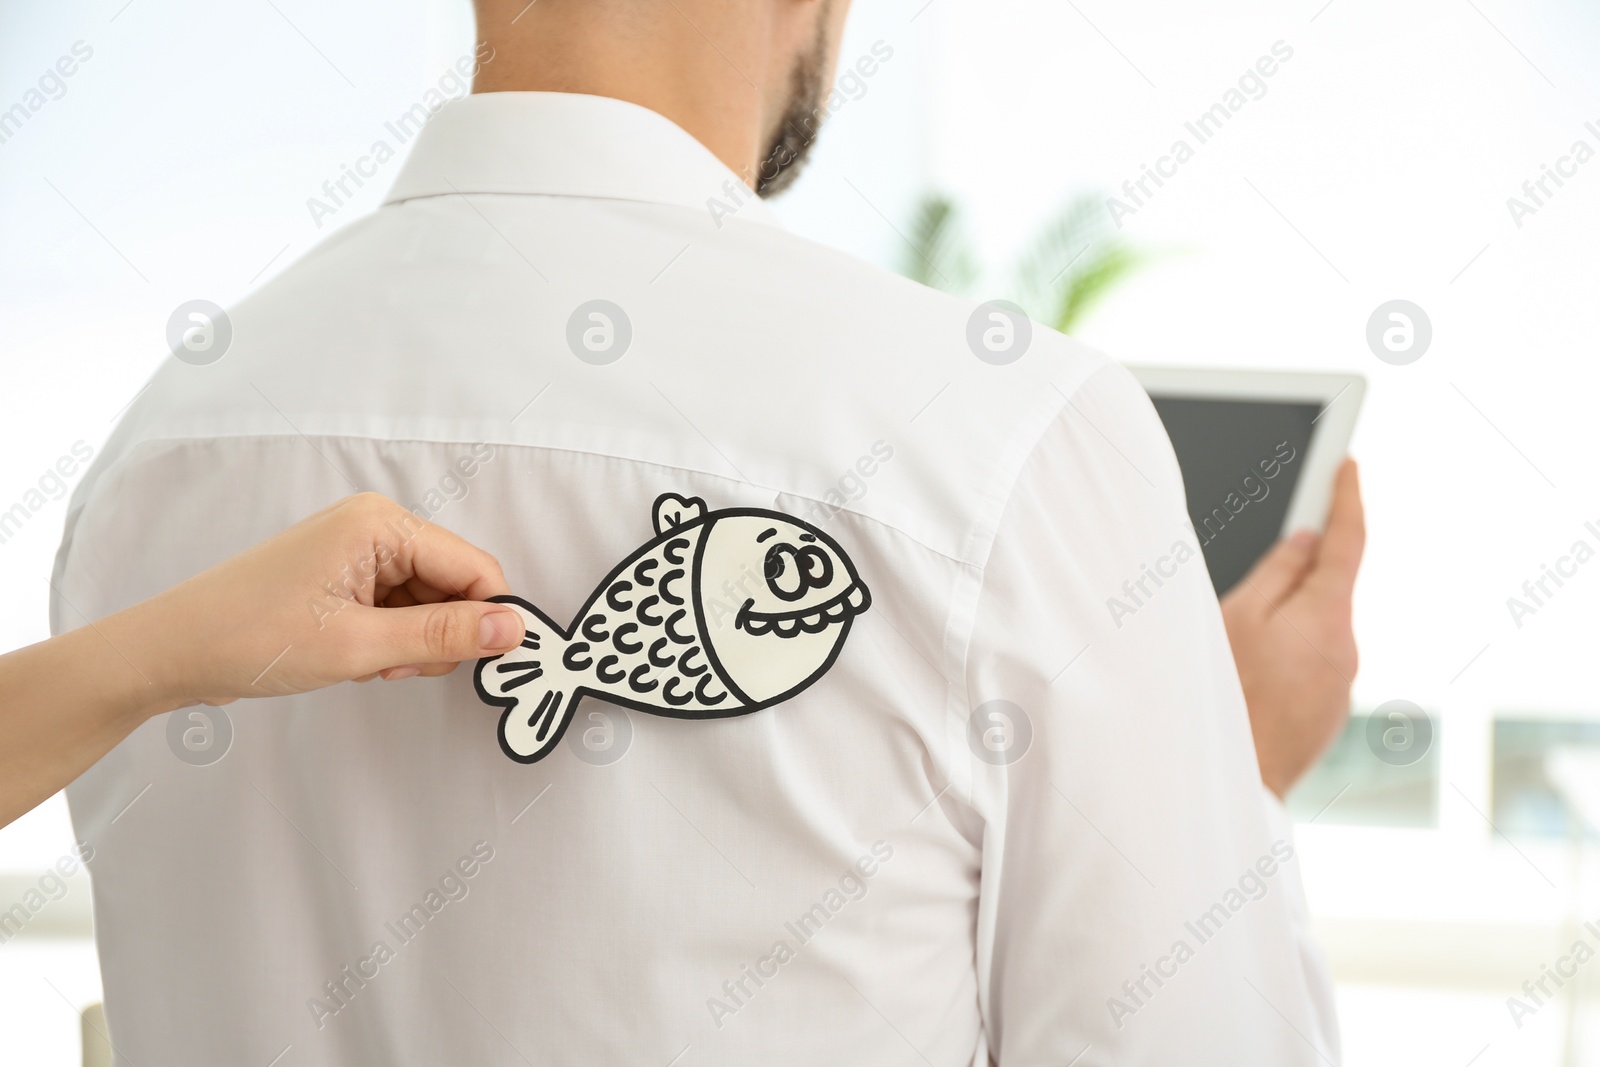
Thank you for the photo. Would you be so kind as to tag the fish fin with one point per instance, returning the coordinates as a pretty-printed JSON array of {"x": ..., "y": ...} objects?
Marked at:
[
  {"x": 528, "y": 736},
  {"x": 539, "y": 695},
  {"x": 673, "y": 511}
]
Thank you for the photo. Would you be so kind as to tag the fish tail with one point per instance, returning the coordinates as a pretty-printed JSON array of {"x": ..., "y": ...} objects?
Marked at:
[{"x": 538, "y": 693}]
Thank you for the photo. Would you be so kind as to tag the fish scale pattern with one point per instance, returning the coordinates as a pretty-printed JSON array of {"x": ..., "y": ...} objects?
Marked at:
[{"x": 639, "y": 634}]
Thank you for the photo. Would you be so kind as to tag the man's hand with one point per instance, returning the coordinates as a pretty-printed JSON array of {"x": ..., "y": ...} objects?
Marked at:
[{"x": 1289, "y": 623}]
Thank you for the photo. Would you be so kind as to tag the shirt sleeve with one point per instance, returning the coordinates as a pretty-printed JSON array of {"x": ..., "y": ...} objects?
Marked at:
[{"x": 1139, "y": 902}]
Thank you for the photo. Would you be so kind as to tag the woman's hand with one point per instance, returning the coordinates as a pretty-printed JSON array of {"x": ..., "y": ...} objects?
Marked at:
[{"x": 360, "y": 589}]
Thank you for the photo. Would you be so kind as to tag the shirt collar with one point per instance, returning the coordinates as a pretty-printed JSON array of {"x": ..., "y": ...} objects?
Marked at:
[{"x": 568, "y": 144}]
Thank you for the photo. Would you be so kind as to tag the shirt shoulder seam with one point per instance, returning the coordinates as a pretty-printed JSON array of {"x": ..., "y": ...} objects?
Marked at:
[{"x": 961, "y": 616}]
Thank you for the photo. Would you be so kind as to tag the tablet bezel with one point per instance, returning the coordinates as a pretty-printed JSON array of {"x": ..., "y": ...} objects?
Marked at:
[{"x": 1338, "y": 395}]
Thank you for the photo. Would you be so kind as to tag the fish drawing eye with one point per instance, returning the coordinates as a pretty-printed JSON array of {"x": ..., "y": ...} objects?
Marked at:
[
  {"x": 816, "y": 565},
  {"x": 786, "y": 575}
]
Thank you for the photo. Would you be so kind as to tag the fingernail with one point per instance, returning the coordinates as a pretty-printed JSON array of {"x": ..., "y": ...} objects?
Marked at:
[
  {"x": 499, "y": 630},
  {"x": 1305, "y": 540},
  {"x": 398, "y": 673}
]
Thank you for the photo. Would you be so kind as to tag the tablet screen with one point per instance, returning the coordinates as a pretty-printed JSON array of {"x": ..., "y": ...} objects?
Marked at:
[{"x": 1241, "y": 461}]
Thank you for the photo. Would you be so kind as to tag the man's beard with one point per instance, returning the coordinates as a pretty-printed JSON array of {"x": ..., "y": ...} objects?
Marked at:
[{"x": 807, "y": 107}]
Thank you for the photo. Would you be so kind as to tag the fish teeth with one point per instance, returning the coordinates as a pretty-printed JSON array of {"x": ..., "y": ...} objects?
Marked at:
[{"x": 834, "y": 611}]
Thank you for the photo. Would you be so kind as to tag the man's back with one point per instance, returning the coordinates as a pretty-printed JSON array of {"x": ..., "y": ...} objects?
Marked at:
[{"x": 984, "y": 826}]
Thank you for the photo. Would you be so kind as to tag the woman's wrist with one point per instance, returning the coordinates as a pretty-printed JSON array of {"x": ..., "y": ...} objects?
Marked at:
[{"x": 150, "y": 680}]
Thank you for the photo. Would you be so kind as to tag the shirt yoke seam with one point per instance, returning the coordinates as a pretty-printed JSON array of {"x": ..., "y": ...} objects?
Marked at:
[{"x": 874, "y": 520}]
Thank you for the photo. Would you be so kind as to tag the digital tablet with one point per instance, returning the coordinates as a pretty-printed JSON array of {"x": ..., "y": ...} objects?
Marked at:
[{"x": 1258, "y": 451}]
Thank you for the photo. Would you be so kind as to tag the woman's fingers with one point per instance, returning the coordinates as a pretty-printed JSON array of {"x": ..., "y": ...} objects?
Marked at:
[
  {"x": 431, "y": 616},
  {"x": 251, "y": 611},
  {"x": 430, "y": 562},
  {"x": 414, "y": 670}
]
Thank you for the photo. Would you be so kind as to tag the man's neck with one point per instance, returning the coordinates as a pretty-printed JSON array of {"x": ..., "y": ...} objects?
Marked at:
[{"x": 651, "y": 56}]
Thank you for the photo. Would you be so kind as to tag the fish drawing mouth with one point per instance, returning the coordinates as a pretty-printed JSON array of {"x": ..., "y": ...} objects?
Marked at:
[{"x": 852, "y": 601}]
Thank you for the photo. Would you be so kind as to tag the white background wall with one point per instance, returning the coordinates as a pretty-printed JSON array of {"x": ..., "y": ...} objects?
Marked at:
[{"x": 178, "y": 162}]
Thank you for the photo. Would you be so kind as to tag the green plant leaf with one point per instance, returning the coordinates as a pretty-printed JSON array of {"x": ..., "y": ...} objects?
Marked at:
[
  {"x": 1102, "y": 274},
  {"x": 940, "y": 254},
  {"x": 1074, "y": 263}
]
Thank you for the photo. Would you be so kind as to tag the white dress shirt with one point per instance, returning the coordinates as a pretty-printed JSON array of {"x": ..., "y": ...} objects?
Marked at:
[{"x": 1007, "y": 824}]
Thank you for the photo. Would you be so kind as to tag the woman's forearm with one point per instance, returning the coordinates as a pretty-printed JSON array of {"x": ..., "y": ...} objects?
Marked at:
[
  {"x": 409, "y": 601},
  {"x": 64, "y": 703}
]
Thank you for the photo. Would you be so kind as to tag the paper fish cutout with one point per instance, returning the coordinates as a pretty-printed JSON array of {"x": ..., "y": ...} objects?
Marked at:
[{"x": 723, "y": 613}]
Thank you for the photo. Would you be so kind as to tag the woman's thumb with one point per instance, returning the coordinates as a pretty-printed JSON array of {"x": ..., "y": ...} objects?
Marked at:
[{"x": 436, "y": 633}]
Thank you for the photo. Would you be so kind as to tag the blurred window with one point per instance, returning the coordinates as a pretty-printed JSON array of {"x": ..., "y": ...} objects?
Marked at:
[
  {"x": 1531, "y": 796},
  {"x": 1351, "y": 786}
]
